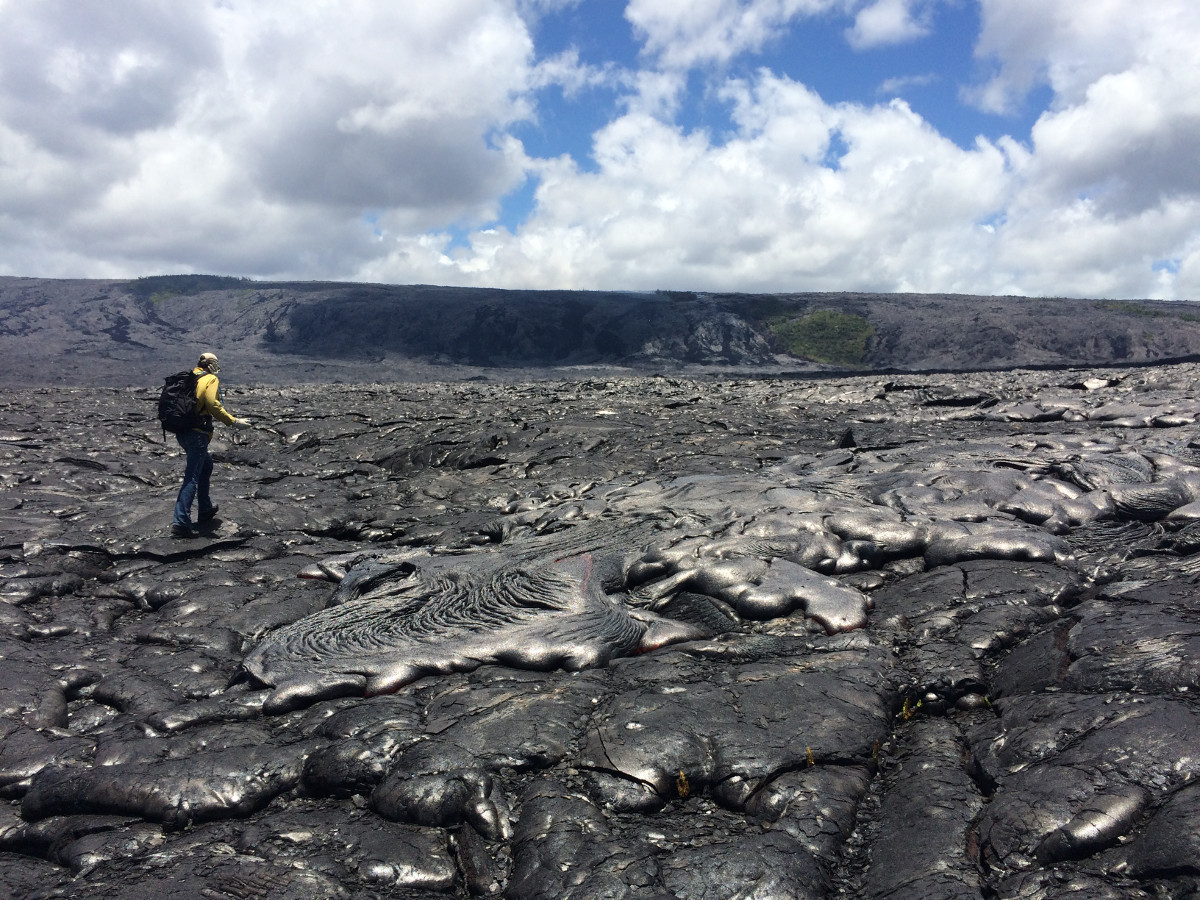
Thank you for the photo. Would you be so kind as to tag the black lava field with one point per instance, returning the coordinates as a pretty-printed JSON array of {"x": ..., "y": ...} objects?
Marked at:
[{"x": 919, "y": 636}]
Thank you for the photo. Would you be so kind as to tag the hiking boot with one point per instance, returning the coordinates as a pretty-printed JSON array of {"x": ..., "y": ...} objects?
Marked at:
[
  {"x": 211, "y": 514},
  {"x": 184, "y": 531}
]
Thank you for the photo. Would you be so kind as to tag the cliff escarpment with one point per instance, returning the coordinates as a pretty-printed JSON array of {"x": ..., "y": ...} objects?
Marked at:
[{"x": 125, "y": 332}]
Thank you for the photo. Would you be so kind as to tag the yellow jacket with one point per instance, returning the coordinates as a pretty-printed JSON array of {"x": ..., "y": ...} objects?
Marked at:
[{"x": 208, "y": 400}]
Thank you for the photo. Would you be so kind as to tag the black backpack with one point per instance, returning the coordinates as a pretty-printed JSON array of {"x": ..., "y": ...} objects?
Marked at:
[{"x": 177, "y": 403}]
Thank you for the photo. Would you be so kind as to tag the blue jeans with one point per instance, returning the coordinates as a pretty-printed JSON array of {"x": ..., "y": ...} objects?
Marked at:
[{"x": 195, "y": 476}]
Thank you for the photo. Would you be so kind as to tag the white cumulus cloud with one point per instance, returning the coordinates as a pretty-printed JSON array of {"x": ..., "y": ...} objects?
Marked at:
[
  {"x": 686, "y": 33},
  {"x": 889, "y": 22},
  {"x": 251, "y": 135},
  {"x": 363, "y": 140},
  {"x": 805, "y": 195},
  {"x": 1106, "y": 201}
]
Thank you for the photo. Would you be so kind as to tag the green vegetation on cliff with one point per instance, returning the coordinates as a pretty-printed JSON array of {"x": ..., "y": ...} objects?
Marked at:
[
  {"x": 824, "y": 336},
  {"x": 159, "y": 288},
  {"x": 1141, "y": 310},
  {"x": 1130, "y": 308}
]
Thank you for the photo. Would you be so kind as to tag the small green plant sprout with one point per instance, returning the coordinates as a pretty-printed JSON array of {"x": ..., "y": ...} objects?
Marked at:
[
  {"x": 812, "y": 760},
  {"x": 909, "y": 709},
  {"x": 681, "y": 785}
]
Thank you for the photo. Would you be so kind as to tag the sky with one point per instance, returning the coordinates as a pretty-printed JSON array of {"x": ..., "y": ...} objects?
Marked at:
[{"x": 1029, "y": 147}]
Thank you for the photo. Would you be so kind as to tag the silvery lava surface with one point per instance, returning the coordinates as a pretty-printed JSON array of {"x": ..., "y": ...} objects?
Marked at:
[{"x": 622, "y": 637}]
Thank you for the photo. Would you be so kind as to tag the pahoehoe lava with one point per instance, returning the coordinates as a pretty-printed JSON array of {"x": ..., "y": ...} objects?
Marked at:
[
  {"x": 927, "y": 637},
  {"x": 555, "y": 615}
]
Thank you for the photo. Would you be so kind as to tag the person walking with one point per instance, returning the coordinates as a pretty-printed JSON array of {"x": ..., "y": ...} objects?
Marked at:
[{"x": 194, "y": 441}]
